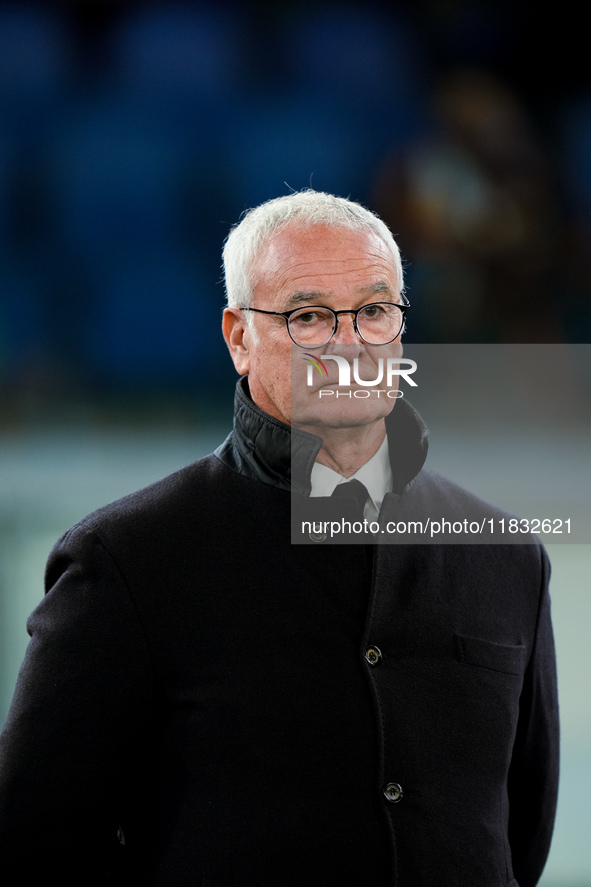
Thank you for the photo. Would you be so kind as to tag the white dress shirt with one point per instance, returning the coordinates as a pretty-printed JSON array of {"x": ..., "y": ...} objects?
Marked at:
[{"x": 375, "y": 475}]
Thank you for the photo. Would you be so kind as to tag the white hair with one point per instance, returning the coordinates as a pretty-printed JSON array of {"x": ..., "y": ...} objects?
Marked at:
[{"x": 303, "y": 208}]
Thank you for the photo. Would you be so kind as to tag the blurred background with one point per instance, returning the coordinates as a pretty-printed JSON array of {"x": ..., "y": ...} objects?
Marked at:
[{"x": 134, "y": 134}]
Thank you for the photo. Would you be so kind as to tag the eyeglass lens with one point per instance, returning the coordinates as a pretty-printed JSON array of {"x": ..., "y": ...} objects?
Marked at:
[{"x": 378, "y": 324}]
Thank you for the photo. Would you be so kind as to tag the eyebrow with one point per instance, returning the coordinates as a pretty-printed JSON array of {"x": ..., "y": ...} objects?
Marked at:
[
  {"x": 312, "y": 297},
  {"x": 315, "y": 297},
  {"x": 377, "y": 289}
]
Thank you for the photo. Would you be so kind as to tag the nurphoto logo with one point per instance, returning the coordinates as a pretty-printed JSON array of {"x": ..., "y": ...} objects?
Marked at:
[
  {"x": 314, "y": 361},
  {"x": 388, "y": 370}
]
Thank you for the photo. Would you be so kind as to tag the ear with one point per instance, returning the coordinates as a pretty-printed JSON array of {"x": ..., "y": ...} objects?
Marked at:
[{"x": 237, "y": 336}]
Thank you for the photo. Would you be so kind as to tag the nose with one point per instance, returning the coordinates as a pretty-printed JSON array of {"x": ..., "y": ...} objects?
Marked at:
[{"x": 345, "y": 333}]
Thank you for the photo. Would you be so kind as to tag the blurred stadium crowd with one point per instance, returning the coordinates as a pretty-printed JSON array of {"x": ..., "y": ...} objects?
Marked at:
[{"x": 133, "y": 134}]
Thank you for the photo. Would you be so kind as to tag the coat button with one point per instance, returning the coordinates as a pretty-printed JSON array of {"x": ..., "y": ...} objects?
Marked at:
[
  {"x": 393, "y": 792},
  {"x": 373, "y": 656}
]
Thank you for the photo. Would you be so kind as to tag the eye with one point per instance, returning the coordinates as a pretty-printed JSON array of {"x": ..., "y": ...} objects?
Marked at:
[
  {"x": 372, "y": 311},
  {"x": 307, "y": 318},
  {"x": 312, "y": 316}
]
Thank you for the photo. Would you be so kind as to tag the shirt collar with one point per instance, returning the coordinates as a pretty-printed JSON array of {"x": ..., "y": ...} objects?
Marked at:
[{"x": 375, "y": 475}]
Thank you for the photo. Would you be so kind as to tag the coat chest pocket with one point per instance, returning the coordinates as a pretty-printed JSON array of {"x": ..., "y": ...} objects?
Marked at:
[{"x": 486, "y": 654}]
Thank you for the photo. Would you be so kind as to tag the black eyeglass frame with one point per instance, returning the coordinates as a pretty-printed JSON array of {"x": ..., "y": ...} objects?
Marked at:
[{"x": 354, "y": 311}]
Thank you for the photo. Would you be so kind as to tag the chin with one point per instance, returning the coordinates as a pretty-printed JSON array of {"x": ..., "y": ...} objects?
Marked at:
[{"x": 342, "y": 413}]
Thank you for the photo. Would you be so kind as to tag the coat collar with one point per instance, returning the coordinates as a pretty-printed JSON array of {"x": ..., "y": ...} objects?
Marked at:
[{"x": 270, "y": 452}]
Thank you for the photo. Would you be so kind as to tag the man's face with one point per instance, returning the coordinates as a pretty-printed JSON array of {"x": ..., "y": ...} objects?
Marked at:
[{"x": 312, "y": 265}]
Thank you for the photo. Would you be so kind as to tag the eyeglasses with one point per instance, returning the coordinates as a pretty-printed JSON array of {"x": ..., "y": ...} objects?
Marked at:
[{"x": 314, "y": 325}]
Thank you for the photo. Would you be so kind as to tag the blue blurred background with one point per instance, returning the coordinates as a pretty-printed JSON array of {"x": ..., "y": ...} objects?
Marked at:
[{"x": 134, "y": 134}]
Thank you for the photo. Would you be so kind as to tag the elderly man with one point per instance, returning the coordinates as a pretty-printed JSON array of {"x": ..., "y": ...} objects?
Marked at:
[{"x": 204, "y": 702}]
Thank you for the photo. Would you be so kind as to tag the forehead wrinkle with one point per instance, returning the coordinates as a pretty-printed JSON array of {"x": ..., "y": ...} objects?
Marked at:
[
  {"x": 301, "y": 273},
  {"x": 288, "y": 277},
  {"x": 344, "y": 265}
]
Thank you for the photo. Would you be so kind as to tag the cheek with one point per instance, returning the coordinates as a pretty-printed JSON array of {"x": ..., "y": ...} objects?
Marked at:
[
  {"x": 272, "y": 371},
  {"x": 267, "y": 362}
]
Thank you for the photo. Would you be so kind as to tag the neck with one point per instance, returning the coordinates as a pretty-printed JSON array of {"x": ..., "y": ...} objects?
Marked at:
[{"x": 346, "y": 450}]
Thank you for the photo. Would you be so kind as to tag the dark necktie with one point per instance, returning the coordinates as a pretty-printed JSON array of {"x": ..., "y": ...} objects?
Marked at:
[{"x": 352, "y": 489}]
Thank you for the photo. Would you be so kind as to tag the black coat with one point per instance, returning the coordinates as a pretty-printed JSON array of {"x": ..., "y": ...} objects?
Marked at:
[{"x": 204, "y": 703}]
